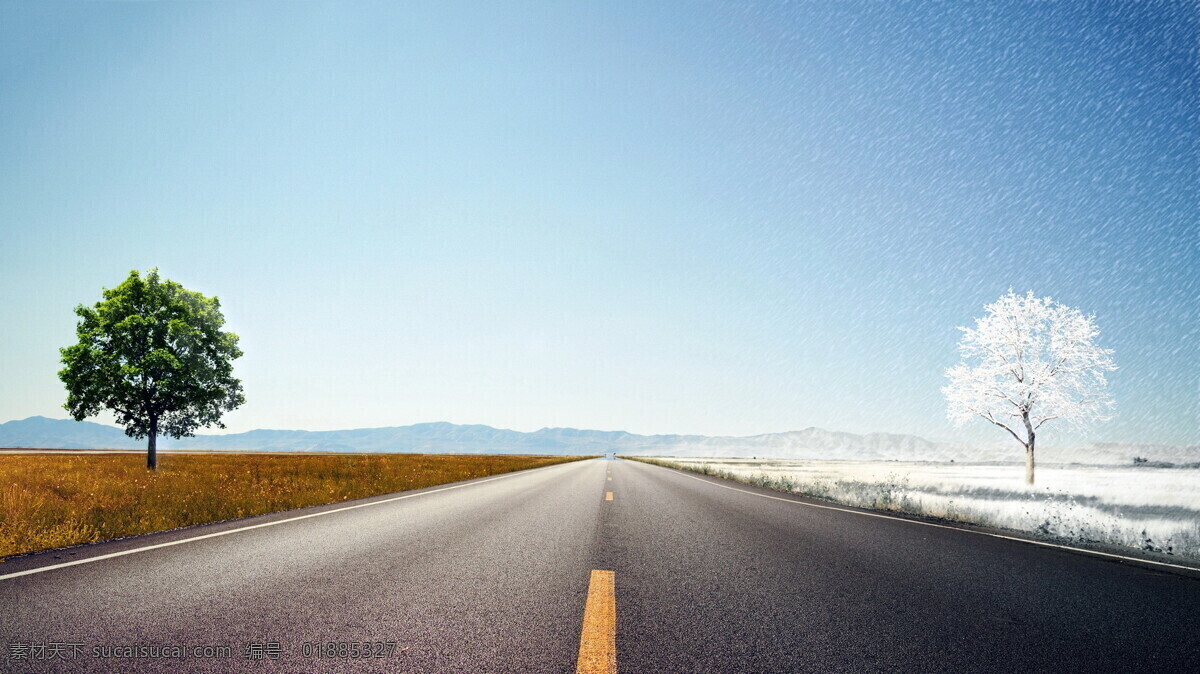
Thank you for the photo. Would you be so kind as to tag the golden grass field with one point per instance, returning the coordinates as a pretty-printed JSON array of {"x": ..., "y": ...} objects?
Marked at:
[{"x": 56, "y": 500}]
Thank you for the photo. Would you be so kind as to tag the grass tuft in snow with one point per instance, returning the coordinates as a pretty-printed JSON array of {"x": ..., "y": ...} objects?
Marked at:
[{"x": 1139, "y": 508}]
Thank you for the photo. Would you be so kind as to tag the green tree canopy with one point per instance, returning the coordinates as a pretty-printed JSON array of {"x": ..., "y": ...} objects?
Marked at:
[{"x": 154, "y": 354}]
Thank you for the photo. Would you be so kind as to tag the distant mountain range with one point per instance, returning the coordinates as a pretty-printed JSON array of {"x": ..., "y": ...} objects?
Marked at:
[{"x": 442, "y": 437}]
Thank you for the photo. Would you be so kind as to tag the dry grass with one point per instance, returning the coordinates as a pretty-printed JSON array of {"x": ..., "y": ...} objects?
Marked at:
[{"x": 55, "y": 500}]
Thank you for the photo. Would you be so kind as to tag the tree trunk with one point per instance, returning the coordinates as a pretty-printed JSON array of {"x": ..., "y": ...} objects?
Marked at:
[
  {"x": 151, "y": 449},
  {"x": 1028, "y": 450}
]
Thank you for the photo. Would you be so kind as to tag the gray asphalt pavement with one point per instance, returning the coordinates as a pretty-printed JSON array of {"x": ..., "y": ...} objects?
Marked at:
[{"x": 492, "y": 576}]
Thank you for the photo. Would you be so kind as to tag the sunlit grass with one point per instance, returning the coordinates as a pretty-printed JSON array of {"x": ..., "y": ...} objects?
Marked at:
[{"x": 56, "y": 500}]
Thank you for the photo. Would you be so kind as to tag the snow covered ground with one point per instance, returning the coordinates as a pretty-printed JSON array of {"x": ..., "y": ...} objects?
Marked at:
[{"x": 1142, "y": 507}]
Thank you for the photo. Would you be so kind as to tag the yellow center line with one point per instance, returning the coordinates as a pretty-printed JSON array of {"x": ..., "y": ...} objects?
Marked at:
[
  {"x": 598, "y": 643},
  {"x": 608, "y": 496},
  {"x": 610, "y": 479}
]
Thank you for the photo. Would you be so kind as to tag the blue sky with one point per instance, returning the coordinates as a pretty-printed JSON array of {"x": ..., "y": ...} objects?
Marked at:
[{"x": 719, "y": 218}]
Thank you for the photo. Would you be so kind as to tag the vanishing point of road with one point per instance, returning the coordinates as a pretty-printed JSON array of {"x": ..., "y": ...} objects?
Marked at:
[{"x": 595, "y": 565}]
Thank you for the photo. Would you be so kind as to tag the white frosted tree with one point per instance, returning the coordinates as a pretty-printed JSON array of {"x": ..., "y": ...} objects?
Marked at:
[{"x": 1029, "y": 361}]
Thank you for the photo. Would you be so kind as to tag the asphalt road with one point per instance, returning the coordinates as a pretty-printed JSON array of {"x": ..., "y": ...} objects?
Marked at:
[{"x": 493, "y": 576}]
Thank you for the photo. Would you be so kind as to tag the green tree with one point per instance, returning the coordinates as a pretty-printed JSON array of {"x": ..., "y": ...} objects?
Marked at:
[{"x": 152, "y": 352}]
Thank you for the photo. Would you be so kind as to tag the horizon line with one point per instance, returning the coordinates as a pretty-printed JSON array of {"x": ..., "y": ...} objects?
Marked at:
[{"x": 960, "y": 443}]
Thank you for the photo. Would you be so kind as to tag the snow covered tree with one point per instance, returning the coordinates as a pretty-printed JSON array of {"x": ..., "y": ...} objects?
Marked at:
[{"x": 1026, "y": 362}]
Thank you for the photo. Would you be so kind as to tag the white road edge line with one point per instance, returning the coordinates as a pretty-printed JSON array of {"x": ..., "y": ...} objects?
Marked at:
[
  {"x": 939, "y": 526},
  {"x": 168, "y": 544}
]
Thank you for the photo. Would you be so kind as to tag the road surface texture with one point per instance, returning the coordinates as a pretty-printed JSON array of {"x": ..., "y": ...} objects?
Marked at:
[{"x": 494, "y": 575}]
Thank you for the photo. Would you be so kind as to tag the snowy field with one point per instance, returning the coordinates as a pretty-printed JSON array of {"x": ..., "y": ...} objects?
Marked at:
[{"x": 1146, "y": 508}]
